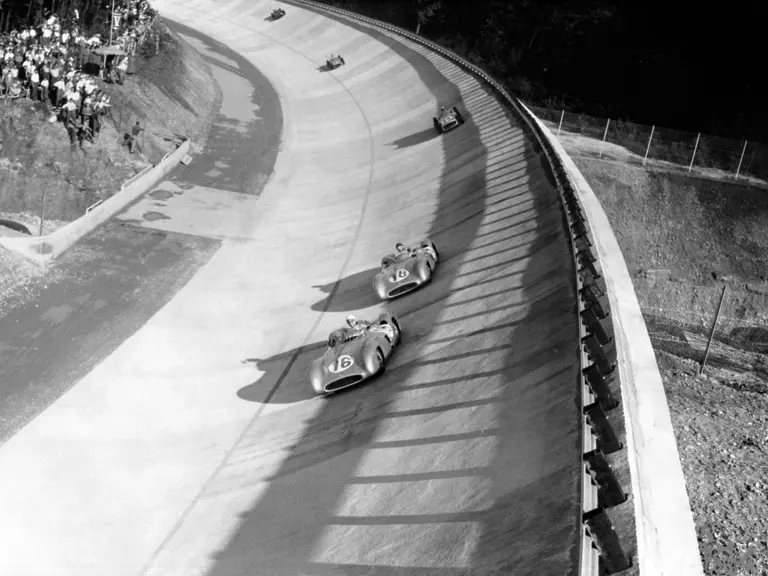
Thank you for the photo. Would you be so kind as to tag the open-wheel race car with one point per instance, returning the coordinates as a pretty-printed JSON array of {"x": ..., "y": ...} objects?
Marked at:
[
  {"x": 406, "y": 270},
  {"x": 448, "y": 119},
  {"x": 277, "y": 13},
  {"x": 354, "y": 353},
  {"x": 334, "y": 61}
]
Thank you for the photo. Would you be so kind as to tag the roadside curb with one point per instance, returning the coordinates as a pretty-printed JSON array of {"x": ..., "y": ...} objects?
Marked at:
[{"x": 43, "y": 249}]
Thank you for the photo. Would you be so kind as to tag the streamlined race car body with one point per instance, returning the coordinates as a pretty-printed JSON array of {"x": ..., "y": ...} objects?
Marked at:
[
  {"x": 277, "y": 13},
  {"x": 448, "y": 119},
  {"x": 355, "y": 354},
  {"x": 334, "y": 62},
  {"x": 406, "y": 271}
]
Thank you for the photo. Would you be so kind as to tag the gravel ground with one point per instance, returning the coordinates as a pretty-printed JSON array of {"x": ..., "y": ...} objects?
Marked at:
[{"x": 700, "y": 231}]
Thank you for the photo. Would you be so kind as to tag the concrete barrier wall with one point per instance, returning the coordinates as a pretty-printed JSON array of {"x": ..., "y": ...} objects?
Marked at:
[
  {"x": 666, "y": 534},
  {"x": 46, "y": 248}
]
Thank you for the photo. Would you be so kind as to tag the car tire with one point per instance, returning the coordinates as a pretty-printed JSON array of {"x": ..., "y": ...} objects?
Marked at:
[
  {"x": 436, "y": 124},
  {"x": 343, "y": 63},
  {"x": 459, "y": 115}
]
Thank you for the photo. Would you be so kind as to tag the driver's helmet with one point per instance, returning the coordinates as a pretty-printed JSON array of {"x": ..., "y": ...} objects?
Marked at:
[
  {"x": 442, "y": 109},
  {"x": 353, "y": 322},
  {"x": 400, "y": 247}
]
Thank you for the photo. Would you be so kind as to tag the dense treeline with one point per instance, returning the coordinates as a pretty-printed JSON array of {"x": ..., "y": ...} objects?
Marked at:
[{"x": 694, "y": 68}]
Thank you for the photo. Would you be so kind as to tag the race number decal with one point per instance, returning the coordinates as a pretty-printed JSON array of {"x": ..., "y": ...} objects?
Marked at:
[
  {"x": 385, "y": 329},
  {"x": 401, "y": 274},
  {"x": 342, "y": 363}
]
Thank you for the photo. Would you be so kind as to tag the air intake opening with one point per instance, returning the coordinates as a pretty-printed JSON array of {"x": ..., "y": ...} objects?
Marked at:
[
  {"x": 343, "y": 383},
  {"x": 402, "y": 289}
]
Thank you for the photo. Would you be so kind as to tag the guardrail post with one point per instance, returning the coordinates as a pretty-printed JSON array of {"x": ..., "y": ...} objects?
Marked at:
[
  {"x": 607, "y": 441},
  {"x": 597, "y": 354},
  {"x": 609, "y": 490},
  {"x": 562, "y": 113},
  {"x": 590, "y": 298},
  {"x": 603, "y": 534},
  {"x": 593, "y": 325},
  {"x": 587, "y": 261},
  {"x": 599, "y": 387}
]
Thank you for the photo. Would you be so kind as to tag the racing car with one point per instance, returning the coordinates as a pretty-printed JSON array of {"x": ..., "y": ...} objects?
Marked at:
[
  {"x": 354, "y": 353},
  {"x": 334, "y": 62},
  {"x": 447, "y": 120},
  {"x": 277, "y": 13},
  {"x": 406, "y": 270}
]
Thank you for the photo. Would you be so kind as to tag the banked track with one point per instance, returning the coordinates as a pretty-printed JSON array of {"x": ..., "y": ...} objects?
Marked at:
[{"x": 176, "y": 457}]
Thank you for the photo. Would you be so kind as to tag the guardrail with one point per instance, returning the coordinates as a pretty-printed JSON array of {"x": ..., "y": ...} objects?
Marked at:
[{"x": 601, "y": 550}]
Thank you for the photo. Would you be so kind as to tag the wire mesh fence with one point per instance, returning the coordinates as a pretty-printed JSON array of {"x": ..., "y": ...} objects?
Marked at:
[
  {"x": 741, "y": 159},
  {"x": 715, "y": 327}
]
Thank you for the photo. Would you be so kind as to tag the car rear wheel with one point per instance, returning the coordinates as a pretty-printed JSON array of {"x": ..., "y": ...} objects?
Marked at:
[{"x": 437, "y": 125}]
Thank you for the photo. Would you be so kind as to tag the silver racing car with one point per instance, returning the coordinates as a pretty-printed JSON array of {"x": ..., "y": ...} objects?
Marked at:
[
  {"x": 334, "y": 62},
  {"x": 355, "y": 353},
  {"x": 447, "y": 120},
  {"x": 277, "y": 13},
  {"x": 406, "y": 270}
]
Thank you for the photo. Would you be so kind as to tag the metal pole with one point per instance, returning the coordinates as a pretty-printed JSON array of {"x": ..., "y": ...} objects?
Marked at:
[
  {"x": 694, "y": 151},
  {"x": 649, "y": 144},
  {"x": 561, "y": 121},
  {"x": 111, "y": 21},
  {"x": 42, "y": 213},
  {"x": 604, "y": 135},
  {"x": 738, "y": 169},
  {"x": 712, "y": 333}
]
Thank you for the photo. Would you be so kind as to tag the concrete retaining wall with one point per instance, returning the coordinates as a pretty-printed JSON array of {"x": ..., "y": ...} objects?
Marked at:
[{"x": 46, "y": 248}]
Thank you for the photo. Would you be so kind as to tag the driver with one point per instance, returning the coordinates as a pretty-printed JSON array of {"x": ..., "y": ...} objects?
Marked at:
[
  {"x": 400, "y": 248},
  {"x": 357, "y": 325}
]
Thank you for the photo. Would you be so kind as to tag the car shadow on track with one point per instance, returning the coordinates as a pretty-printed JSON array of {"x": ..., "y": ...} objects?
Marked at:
[
  {"x": 415, "y": 139},
  {"x": 353, "y": 292}
]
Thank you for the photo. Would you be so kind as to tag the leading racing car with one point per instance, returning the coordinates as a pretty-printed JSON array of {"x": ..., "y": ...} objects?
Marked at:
[
  {"x": 334, "y": 62},
  {"x": 447, "y": 120},
  {"x": 277, "y": 13},
  {"x": 354, "y": 353},
  {"x": 406, "y": 270}
]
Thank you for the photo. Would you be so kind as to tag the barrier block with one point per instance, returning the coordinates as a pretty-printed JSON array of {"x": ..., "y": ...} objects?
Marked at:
[
  {"x": 609, "y": 490},
  {"x": 607, "y": 441},
  {"x": 612, "y": 558}
]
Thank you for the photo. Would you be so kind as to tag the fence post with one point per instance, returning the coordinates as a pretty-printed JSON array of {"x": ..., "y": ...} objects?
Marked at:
[
  {"x": 738, "y": 169},
  {"x": 712, "y": 333},
  {"x": 649, "y": 144},
  {"x": 42, "y": 212},
  {"x": 694, "y": 151},
  {"x": 562, "y": 113},
  {"x": 604, "y": 135}
]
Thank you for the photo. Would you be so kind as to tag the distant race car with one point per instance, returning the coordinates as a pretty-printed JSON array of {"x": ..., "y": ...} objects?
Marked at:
[
  {"x": 334, "y": 62},
  {"x": 447, "y": 120},
  {"x": 277, "y": 13},
  {"x": 406, "y": 270},
  {"x": 355, "y": 353}
]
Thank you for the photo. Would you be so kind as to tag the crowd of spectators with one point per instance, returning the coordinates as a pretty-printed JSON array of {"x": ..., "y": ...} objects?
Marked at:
[{"x": 46, "y": 63}]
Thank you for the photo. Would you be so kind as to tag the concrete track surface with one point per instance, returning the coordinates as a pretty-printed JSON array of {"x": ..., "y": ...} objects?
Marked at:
[{"x": 197, "y": 448}]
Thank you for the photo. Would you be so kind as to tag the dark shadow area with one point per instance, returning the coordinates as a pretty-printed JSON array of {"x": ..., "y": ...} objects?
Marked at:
[
  {"x": 415, "y": 139},
  {"x": 323, "y": 68},
  {"x": 275, "y": 386},
  {"x": 500, "y": 382},
  {"x": 239, "y": 156},
  {"x": 353, "y": 292},
  {"x": 16, "y": 226}
]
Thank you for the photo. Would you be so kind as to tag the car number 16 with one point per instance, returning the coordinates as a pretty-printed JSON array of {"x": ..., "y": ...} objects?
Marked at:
[{"x": 342, "y": 363}]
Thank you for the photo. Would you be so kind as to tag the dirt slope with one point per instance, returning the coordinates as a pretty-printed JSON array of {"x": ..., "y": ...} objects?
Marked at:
[
  {"x": 172, "y": 93},
  {"x": 683, "y": 238}
]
